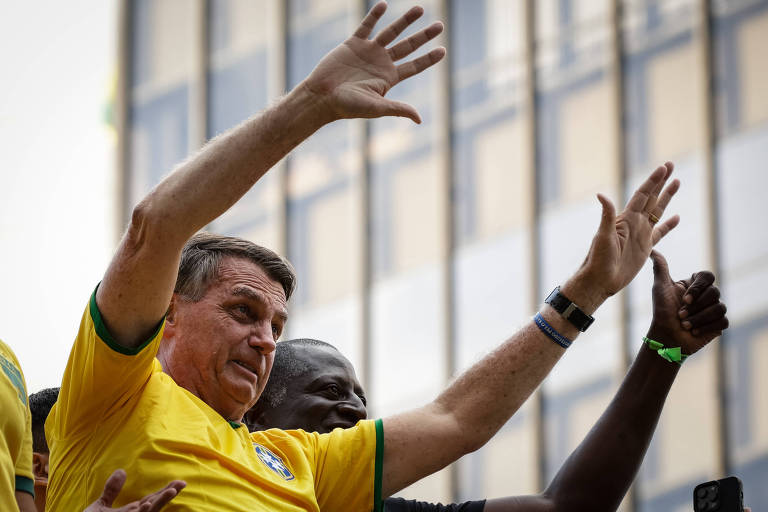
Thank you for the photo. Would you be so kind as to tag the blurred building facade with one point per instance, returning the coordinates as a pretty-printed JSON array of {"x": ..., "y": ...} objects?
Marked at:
[{"x": 419, "y": 248}]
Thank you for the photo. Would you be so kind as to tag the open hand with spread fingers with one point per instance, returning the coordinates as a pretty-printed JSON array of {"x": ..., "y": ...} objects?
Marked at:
[
  {"x": 623, "y": 242},
  {"x": 150, "y": 503},
  {"x": 352, "y": 80},
  {"x": 686, "y": 313}
]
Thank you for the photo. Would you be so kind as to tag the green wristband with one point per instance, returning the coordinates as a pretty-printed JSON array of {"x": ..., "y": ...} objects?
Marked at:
[{"x": 671, "y": 354}]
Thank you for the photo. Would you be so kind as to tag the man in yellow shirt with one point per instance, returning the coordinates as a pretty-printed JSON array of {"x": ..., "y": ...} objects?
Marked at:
[
  {"x": 16, "y": 478},
  {"x": 179, "y": 414},
  {"x": 211, "y": 309}
]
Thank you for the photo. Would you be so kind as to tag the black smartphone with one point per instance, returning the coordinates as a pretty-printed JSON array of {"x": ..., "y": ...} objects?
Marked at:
[{"x": 724, "y": 495}]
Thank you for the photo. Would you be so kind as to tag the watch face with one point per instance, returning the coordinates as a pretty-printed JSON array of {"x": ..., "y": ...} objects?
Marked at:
[{"x": 569, "y": 310}]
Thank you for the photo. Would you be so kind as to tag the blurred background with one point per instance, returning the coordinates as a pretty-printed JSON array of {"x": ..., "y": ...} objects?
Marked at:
[{"x": 419, "y": 248}]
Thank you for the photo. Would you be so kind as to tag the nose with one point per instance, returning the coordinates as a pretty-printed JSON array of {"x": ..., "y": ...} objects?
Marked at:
[
  {"x": 261, "y": 338},
  {"x": 354, "y": 408}
]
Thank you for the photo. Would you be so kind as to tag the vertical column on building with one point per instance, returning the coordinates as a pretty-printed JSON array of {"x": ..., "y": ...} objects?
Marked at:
[
  {"x": 709, "y": 145},
  {"x": 616, "y": 70},
  {"x": 277, "y": 78},
  {"x": 444, "y": 120},
  {"x": 282, "y": 11},
  {"x": 125, "y": 33},
  {"x": 198, "y": 90},
  {"x": 531, "y": 140},
  {"x": 366, "y": 256}
]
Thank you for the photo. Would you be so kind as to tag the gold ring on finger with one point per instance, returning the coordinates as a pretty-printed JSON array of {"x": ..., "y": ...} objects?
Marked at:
[{"x": 654, "y": 219}]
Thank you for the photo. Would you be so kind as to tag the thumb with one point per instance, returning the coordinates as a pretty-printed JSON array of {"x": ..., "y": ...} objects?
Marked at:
[
  {"x": 113, "y": 487},
  {"x": 660, "y": 269},
  {"x": 398, "y": 109},
  {"x": 608, "y": 219}
]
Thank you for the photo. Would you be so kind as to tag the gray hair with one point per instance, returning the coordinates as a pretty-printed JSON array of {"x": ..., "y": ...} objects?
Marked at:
[{"x": 202, "y": 255}]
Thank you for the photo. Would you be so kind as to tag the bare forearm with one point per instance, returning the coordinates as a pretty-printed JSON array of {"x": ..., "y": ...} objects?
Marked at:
[
  {"x": 475, "y": 406},
  {"x": 485, "y": 396},
  {"x": 25, "y": 502},
  {"x": 598, "y": 473},
  {"x": 206, "y": 185}
]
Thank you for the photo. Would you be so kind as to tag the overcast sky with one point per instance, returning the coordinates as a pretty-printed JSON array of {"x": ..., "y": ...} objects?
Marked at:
[{"x": 57, "y": 178}]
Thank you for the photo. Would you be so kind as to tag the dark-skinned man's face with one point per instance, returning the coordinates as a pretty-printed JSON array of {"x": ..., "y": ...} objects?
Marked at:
[{"x": 326, "y": 396}]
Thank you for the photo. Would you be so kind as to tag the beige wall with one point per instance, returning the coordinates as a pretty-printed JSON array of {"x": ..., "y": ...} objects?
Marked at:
[
  {"x": 417, "y": 204},
  {"x": 753, "y": 42},
  {"x": 334, "y": 238},
  {"x": 503, "y": 198},
  {"x": 674, "y": 104},
  {"x": 588, "y": 146}
]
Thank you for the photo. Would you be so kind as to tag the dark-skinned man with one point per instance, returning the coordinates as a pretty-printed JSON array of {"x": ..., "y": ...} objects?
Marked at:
[
  {"x": 211, "y": 309},
  {"x": 313, "y": 387}
]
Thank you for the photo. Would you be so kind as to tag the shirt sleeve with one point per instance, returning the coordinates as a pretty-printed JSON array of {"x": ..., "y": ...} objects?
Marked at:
[
  {"x": 24, "y": 476},
  {"x": 403, "y": 505},
  {"x": 24, "y": 480},
  {"x": 100, "y": 377},
  {"x": 348, "y": 467}
]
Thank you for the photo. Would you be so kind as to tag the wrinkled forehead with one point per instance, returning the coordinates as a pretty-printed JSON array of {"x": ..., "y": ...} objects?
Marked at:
[{"x": 244, "y": 277}]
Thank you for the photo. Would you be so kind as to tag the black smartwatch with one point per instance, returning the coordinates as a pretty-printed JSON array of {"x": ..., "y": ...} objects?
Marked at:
[{"x": 569, "y": 310}]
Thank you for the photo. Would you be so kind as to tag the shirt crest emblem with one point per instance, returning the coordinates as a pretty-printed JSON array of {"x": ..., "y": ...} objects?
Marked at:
[{"x": 273, "y": 462}]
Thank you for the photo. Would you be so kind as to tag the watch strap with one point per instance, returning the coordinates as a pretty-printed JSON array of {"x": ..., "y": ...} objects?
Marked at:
[{"x": 569, "y": 310}]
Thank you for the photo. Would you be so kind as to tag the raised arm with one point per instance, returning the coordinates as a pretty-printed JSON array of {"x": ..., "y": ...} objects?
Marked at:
[
  {"x": 480, "y": 401},
  {"x": 351, "y": 81},
  {"x": 598, "y": 473}
]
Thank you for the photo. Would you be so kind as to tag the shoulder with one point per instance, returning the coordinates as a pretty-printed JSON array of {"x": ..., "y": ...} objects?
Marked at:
[
  {"x": 12, "y": 369},
  {"x": 7, "y": 354}
]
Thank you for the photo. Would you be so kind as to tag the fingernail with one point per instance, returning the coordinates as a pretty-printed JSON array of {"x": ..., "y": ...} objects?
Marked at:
[
  {"x": 688, "y": 298},
  {"x": 686, "y": 325},
  {"x": 682, "y": 313}
]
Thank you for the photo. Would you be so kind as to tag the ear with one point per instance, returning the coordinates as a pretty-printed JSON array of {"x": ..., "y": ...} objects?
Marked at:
[
  {"x": 171, "y": 317},
  {"x": 40, "y": 466}
]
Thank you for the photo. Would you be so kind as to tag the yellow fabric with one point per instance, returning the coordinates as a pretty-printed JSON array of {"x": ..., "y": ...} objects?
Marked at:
[
  {"x": 121, "y": 411},
  {"x": 15, "y": 429}
]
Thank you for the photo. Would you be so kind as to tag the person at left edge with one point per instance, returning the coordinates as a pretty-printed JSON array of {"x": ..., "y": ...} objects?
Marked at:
[{"x": 16, "y": 477}]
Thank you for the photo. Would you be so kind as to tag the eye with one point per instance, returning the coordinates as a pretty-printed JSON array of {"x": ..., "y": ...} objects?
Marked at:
[
  {"x": 275, "y": 331},
  {"x": 242, "y": 313},
  {"x": 333, "y": 390}
]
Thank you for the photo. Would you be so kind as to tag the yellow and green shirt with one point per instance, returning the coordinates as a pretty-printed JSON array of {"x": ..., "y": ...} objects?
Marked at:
[
  {"x": 15, "y": 430},
  {"x": 117, "y": 409}
]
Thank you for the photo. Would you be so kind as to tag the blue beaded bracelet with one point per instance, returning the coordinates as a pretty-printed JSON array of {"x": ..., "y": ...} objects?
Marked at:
[{"x": 551, "y": 332}]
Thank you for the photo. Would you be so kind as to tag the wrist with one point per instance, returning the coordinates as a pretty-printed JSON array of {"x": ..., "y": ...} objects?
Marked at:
[
  {"x": 315, "y": 106},
  {"x": 661, "y": 335},
  {"x": 582, "y": 291}
]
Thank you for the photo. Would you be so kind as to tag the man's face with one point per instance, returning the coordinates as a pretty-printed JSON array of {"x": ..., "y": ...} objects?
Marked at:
[
  {"x": 325, "y": 397},
  {"x": 221, "y": 348}
]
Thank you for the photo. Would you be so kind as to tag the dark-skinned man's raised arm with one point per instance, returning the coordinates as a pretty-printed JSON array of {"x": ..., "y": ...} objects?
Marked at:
[{"x": 350, "y": 82}]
